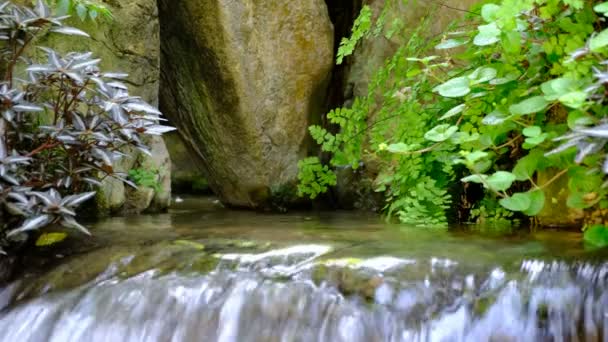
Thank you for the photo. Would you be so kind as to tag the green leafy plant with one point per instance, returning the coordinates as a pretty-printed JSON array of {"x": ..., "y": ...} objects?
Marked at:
[
  {"x": 145, "y": 177},
  {"x": 314, "y": 178},
  {"x": 415, "y": 183},
  {"x": 528, "y": 85},
  {"x": 519, "y": 93},
  {"x": 596, "y": 236},
  {"x": 361, "y": 28},
  {"x": 83, "y": 9},
  {"x": 364, "y": 27}
]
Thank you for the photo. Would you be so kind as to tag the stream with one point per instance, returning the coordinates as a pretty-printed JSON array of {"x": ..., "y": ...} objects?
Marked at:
[{"x": 205, "y": 273}]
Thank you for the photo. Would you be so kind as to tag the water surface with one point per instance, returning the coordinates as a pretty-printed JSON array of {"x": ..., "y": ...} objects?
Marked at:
[{"x": 204, "y": 273}]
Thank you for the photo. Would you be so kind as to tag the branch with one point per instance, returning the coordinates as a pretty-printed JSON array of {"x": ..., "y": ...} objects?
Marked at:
[
  {"x": 552, "y": 180},
  {"x": 453, "y": 8},
  {"x": 47, "y": 145}
]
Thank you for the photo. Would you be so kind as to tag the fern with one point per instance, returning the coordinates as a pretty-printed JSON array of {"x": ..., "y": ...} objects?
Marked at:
[
  {"x": 361, "y": 28},
  {"x": 147, "y": 178},
  {"x": 314, "y": 178},
  {"x": 396, "y": 109}
]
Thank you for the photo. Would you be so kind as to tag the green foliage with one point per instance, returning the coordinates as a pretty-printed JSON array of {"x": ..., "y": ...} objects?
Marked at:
[
  {"x": 314, "y": 177},
  {"x": 83, "y": 9},
  {"x": 415, "y": 183},
  {"x": 361, "y": 28},
  {"x": 488, "y": 213},
  {"x": 200, "y": 184},
  {"x": 597, "y": 236},
  {"x": 538, "y": 83},
  {"x": 527, "y": 76},
  {"x": 144, "y": 177}
]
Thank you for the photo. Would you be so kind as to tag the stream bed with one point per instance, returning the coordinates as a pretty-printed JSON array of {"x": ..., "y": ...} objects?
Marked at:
[{"x": 205, "y": 273}]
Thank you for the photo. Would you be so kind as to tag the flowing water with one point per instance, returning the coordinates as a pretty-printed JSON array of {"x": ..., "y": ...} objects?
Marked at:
[{"x": 203, "y": 273}]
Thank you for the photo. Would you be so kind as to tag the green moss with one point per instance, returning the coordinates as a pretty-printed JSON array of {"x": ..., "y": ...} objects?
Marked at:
[
  {"x": 204, "y": 264},
  {"x": 319, "y": 274},
  {"x": 200, "y": 184},
  {"x": 481, "y": 306}
]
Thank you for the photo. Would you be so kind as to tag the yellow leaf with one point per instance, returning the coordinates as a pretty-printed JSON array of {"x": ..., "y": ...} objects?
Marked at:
[
  {"x": 195, "y": 245},
  {"x": 48, "y": 239}
]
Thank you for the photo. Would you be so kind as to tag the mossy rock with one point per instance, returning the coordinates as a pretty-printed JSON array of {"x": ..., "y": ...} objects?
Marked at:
[
  {"x": 187, "y": 176},
  {"x": 350, "y": 281},
  {"x": 241, "y": 80}
]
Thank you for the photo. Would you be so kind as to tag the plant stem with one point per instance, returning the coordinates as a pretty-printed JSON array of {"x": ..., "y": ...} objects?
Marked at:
[
  {"x": 47, "y": 145},
  {"x": 3, "y": 149},
  {"x": 508, "y": 143},
  {"x": 552, "y": 180}
]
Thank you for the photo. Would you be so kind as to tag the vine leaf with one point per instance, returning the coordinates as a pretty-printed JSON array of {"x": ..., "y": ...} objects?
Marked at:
[
  {"x": 558, "y": 87},
  {"x": 537, "y": 202},
  {"x": 501, "y": 180},
  {"x": 495, "y": 118},
  {"x": 450, "y": 44},
  {"x": 602, "y": 8},
  {"x": 518, "y": 202},
  {"x": 526, "y": 166},
  {"x": 599, "y": 41},
  {"x": 531, "y": 105},
  {"x": 453, "y": 112},
  {"x": 441, "y": 133},
  {"x": 489, "y": 12},
  {"x": 482, "y": 75},
  {"x": 399, "y": 148},
  {"x": 488, "y": 35},
  {"x": 597, "y": 236},
  {"x": 456, "y": 87}
]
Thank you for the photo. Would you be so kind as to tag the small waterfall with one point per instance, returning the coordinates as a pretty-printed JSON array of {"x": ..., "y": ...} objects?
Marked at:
[{"x": 291, "y": 295}]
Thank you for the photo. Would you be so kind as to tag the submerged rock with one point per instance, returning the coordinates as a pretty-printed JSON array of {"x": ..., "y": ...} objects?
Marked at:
[{"x": 240, "y": 80}]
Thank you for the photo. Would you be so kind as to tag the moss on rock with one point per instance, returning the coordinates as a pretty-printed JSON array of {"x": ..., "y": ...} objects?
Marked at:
[{"x": 241, "y": 80}]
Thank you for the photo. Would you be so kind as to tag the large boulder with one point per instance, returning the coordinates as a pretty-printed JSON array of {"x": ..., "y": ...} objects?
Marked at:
[
  {"x": 240, "y": 80},
  {"x": 128, "y": 43},
  {"x": 186, "y": 175}
]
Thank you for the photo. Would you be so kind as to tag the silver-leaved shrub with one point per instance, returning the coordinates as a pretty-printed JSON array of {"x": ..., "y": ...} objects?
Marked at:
[{"x": 63, "y": 125}]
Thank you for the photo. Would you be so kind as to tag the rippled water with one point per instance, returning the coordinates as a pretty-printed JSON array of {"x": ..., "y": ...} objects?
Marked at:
[{"x": 202, "y": 273}]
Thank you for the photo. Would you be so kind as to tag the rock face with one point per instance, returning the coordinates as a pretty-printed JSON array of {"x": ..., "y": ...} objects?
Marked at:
[
  {"x": 186, "y": 175},
  {"x": 240, "y": 80},
  {"x": 129, "y": 43}
]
